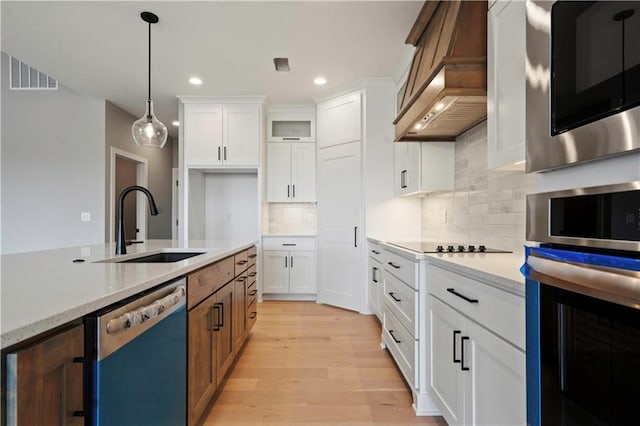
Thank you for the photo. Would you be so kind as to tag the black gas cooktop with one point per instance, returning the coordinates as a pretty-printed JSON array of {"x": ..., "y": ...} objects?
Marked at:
[{"x": 440, "y": 247}]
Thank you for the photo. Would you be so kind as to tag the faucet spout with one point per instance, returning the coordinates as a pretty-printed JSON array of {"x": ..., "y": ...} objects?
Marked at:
[{"x": 120, "y": 239}]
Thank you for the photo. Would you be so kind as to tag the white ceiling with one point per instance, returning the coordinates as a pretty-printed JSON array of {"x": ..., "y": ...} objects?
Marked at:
[{"x": 100, "y": 48}]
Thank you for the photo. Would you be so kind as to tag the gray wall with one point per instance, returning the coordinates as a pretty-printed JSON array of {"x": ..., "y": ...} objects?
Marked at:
[
  {"x": 160, "y": 161},
  {"x": 52, "y": 168}
]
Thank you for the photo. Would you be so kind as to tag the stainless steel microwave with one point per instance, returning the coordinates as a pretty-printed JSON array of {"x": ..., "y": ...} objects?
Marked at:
[{"x": 583, "y": 81}]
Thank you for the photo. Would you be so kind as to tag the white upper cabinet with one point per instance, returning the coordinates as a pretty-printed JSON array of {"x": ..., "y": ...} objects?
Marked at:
[
  {"x": 344, "y": 115},
  {"x": 293, "y": 123},
  {"x": 506, "y": 85},
  {"x": 221, "y": 134},
  {"x": 203, "y": 134},
  {"x": 422, "y": 167},
  {"x": 291, "y": 173}
]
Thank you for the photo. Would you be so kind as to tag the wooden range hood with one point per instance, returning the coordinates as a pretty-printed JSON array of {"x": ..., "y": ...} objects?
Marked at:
[{"x": 446, "y": 90}]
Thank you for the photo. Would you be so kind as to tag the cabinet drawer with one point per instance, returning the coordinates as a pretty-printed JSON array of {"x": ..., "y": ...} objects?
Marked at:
[
  {"x": 402, "y": 268},
  {"x": 499, "y": 311},
  {"x": 206, "y": 281},
  {"x": 252, "y": 293},
  {"x": 402, "y": 300},
  {"x": 252, "y": 255},
  {"x": 402, "y": 347},
  {"x": 290, "y": 244},
  {"x": 376, "y": 251},
  {"x": 251, "y": 274},
  {"x": 241, "y": 262}
]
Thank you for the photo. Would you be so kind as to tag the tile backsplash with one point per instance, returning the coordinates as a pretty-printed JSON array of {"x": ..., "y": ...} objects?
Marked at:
[
  {"x": 486, "y": 207},
  {"x": 286, "y": 218}
]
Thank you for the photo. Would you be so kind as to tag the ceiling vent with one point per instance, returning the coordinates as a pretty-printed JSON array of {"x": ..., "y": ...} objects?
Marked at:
[
  {"x": 24, "y": 77},
  {"x": 282, "y": 64}
]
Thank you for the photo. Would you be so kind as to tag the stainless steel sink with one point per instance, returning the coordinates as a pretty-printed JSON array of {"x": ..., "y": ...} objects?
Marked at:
[{"x": 164, "y": 257}]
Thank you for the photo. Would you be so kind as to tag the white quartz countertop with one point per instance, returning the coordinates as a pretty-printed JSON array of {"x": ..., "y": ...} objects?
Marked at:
[
  {"x": 43, "y": 290},
  {"x": 498, "y": 269}
]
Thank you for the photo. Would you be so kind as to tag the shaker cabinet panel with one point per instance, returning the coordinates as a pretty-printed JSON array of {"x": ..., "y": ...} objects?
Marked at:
[
  {"x": 278, "y": 172},
  {"x": 202, "y": 134},
  {"x": 202, "y": 371},
  {"x": 276, "y": 272},
  {"x": 339, "y": 121},
  {"x": 241, "y": 135},
  {"x": 44, "y": 385},
  {"x": 303, "y": 173},
  {"x": 302, "y": 272}
]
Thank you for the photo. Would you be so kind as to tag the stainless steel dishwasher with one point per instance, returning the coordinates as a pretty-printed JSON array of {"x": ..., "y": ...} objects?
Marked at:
[{"x": 137, "y": 369}]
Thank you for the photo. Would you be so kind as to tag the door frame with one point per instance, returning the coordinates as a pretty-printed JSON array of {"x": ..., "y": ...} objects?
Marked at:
[{"x": 142, "y": 177}]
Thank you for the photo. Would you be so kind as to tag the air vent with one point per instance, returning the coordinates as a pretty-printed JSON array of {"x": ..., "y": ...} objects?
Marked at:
[
  {"x": 282, "y": 64},
  {"x": 24, "y": 77}
]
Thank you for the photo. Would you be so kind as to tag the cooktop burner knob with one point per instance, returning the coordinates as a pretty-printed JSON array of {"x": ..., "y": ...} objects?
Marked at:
[
  {"x": 472, "y": 248},
  {"x": 439, "y": 249},
  {"x": 460, "y": 248},
  {"x": 449, "y": 248},
  {"x": 482, "y": 248}
]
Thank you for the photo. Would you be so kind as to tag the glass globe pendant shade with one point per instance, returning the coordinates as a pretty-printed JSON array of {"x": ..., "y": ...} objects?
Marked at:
[{"x": 149, "y": 132}]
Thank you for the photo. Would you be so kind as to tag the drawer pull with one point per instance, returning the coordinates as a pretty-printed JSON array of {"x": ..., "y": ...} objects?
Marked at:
[
  {"x": 462, "y": 367},
  {"x": 242, "y": 262},
  {"x": 394, "y": 297},
  {"x": 253, "y": 256},
  {"x": 253, "y": 293},
  {"x": 252, "y": 274},
  {"x": 461, "y": 296},
  {"x": 455, "y": 333},
  {"x": 241, "y": 279},
  {"x": 375, "y": 252},
  {"x": 374, "y": 274},
  {"x": 253, "y": 315},
  {"x": 394, "y": 337},
  {"x": 393, "y": 265},
  {"x": 289, "y": 244}
]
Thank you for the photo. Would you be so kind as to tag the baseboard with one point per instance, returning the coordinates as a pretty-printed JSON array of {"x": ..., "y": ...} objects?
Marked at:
[{"x": 423, "y": 405}]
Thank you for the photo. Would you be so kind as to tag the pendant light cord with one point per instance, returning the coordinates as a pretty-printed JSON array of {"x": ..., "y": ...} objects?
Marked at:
[{"x": 149, "y": 97}]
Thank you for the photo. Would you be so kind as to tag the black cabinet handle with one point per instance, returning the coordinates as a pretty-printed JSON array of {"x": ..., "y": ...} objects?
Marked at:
[
  {"x": 221, "y": 315},
  {"x": 393, "y": 265},
  {"x": 79, "y": 413},
  {"x": 253, "y": 293},
  {"x": 394, "y": 337},
  {"x": 461, "y": 296},
  {"x": 253, "y": 315},
  {"x": 253, "y": 256},
  {"x": 289, "y": 244},
  {"x": 394, "y": 297},
  {"x": 241, "y": 279},
  {"x": 462, "y": 340},
  {"x": 242, "y": 262},
  {"x": 252, "y": 274},
  {"x": 374, "y": 273},
  {"x": 455, "y": 333},
  {"x": 375, "y": 252},
  {"x": 288, "y": 191},
  {"x": 286, "y": 259},
  {"x": 212, "y": 326},
  {"x": 293, "y": 191},
  {"x": 355, "y": 236},
  {"x": 219, "y": 154},
  {"x": 79, "y": 359},
  {"x": 225, "y": 153},
  {"x": 403, "y": 179},
  {"x": 292, "y": 261},
  {"x": 290, "y": 139}
]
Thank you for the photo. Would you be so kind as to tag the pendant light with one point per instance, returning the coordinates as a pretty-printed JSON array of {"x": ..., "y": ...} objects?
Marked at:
[{"x": 149, "y": 131}]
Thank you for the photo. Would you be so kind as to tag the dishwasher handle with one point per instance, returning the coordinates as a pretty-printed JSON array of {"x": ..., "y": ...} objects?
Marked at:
[{"x": 140, "y": 315}]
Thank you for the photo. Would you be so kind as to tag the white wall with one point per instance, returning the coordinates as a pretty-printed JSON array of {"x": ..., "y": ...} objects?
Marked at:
[
  {"x": 52, "y": 168},
  {"x": 231, "y": 206}
]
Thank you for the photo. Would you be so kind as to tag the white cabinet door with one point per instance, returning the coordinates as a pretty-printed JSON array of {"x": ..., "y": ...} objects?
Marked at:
[
  {"x": 276, "y": 271},
  {"x": 302, "y": 272},
  {"x": 375, "y": 287},
  {"x": 445, "y": 347},
  {"x": 506, "y": 85},
  {"x": 278, "y": 172},
  {"x": 339, "y": 121},
  {"x": 341, "y": 267},
  {"x": 241, "y": 135},
  {"x": 495, "y": 382},
  {"x": 303, "y": 173},
  {"x": 400, "y": 168},
  {"x": 412, "y": 178},
  {"x": 202, "y": 134}
]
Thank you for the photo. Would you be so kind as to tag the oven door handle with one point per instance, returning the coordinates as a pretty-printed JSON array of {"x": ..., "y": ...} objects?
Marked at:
[{"x": 621, "y": 286}]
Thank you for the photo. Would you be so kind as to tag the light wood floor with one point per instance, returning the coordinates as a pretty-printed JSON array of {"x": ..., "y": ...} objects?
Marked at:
[{"x": 313, "y": 364}]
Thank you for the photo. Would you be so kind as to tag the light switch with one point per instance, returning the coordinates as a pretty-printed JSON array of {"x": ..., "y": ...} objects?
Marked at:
[{"x": 85, "y": 217}]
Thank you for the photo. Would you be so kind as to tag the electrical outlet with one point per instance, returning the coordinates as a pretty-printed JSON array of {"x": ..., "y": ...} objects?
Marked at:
[
  {"x": 85, "y": 216},
  {"x": 443, "y": 215}
]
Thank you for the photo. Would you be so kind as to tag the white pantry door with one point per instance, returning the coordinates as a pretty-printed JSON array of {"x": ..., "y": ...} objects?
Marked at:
[{"x": 340, "y": 234}]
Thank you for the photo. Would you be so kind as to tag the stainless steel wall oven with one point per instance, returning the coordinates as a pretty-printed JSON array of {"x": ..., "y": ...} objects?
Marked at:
[
  {"x": 583, "y": 81},
  {"x": 583, "y": 306}
]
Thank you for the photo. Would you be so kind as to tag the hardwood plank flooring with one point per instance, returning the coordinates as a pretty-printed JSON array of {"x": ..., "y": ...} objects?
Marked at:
[{"x": 314, "y": 364}]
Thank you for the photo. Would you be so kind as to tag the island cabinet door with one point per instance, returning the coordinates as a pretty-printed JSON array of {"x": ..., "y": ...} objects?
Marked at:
[
  {"x": 202, "y": 365},
  {"x": 44, "y": 383},
  {"x": 223, "y": 311}
]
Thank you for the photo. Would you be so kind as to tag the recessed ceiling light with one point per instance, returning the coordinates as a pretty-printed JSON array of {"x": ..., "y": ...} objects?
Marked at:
[
  {"x": 195, "y": 81},
  {"x": 176, "y": 123},
  {"x": 439, "y": 106},
  {"x": 320, "y": 81}
]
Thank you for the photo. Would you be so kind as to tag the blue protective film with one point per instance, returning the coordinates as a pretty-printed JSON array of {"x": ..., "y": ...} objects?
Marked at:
[{"x": 581, "y": 257}]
